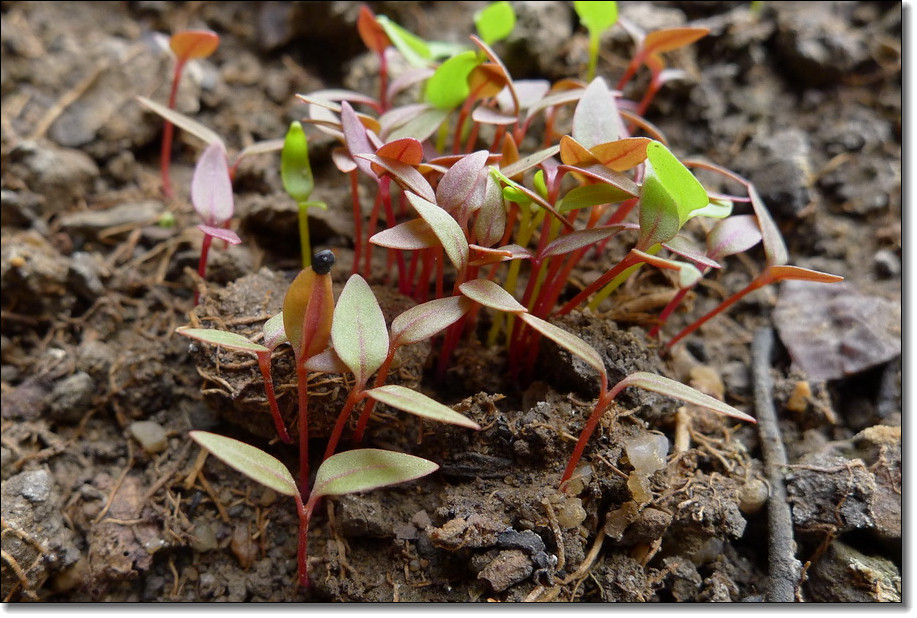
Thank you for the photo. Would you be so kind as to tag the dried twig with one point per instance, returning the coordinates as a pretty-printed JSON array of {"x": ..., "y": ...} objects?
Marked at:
[{"x": 784, "y": 568}]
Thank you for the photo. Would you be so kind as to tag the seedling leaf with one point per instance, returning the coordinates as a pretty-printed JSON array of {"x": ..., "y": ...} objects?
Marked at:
[
  {"x": 304, "y": 303},
  {"x": 250, "y": 461},
  {"x": 447, "y": 230},
  {"x": 211, "y": 186},
  {"x": 295, "y": 170},
  {"x": 448, "y": 87},
  {"x": 358, "y": 333},
  {"x": 426, "y": 320},
  {"x": 274, "y": 334},
  {"x": 596, "y": 119},
  {"x": 183, "y": 122},
  {"x": 491, "y": 295},
  {"x": 459, "y": 182},
  {"x": 567, "y": 340},
  {"x": 596, "y": 16},
  {"x": 733, "y": 235},
  {"x": 495, "y": 22},
  {"x": 411, "y": 235},
  {"x": 405, "y": 175},
  {"x": 669, "y": 194},
  {"x": 670, "y": 39},
  {"x": 412, "y": 402},
  {"x": 220, "y": 232},
  {"x": 591, "y": 195},
  {"x": 192, "y": 44},
  {"x": 677, "y": 390},
  {"x": 579, "y": 239},
  {"x": 226, "y": 339},
  {"x": 372, "y": 34},
  {"x": 365, "y": 469},
  {"x": 414, "y": 49}
]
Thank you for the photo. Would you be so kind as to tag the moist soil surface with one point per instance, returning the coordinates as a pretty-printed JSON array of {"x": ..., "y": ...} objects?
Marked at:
[{"x": 105, "y": 498}]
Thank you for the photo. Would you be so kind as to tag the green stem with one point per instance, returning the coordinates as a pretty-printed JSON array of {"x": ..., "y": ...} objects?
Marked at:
[{"x": 304, "y": 242}]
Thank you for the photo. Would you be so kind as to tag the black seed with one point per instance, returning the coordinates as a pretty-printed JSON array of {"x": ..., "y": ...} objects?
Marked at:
[{"x": 322, "y": 262}]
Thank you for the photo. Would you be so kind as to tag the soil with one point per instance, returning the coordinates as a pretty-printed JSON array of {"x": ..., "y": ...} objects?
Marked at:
[{"x": 104, "y": 496}]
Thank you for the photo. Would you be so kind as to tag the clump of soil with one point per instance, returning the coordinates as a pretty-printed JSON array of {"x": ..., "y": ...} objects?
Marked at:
[{"x": 105, "y": 498}]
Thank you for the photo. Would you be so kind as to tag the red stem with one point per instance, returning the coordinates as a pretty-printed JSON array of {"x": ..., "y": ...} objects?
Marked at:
[
  {"x": 373, "y": 223},
  {"x": 264, "y": 363},
  {"x": 760, "y": 281},
  {"x": 202, "y": 263},
  {"x": 370, "y": 404},
  {"x": 305, "y": 514},
  {"x": 631, "y": 259},
  {"x": 167, "y": 131},
  {"x": 356, "y": 393},
  {"x": 357, "y": 221},
  {"x": 601, "y": 405},
  {"x": 302, "y": 379}
]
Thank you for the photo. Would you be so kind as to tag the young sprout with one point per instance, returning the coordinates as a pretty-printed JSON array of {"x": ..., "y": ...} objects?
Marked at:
[
  {"x": 211, "y": 194},
  {"x": 296, "y": 174},
  {"x": 307, "y": 312},
  {"x": 597, "y": 17},
  {"x": 186, "y": 45},
  {"x": 346, "y": 473}
]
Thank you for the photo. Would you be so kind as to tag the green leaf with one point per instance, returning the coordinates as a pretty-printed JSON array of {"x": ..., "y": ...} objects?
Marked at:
[
  {"x": 716, "y": 209},
  {"x": 295, "y": 170},
  {"x": 489, "y": 294},
  {"x": 567, "y": 340},
  {"x": 591, "y": 195},
  {"x": 596, "y": 16},
  {"x": 426, "y": 320},
  {"x": 495, "y": 22},
  {"x": 365, "y": 469},
  {"x": 447, "y": 230},
  {"x": 250, "y": 461},
  {"x": 666, "y": 386},
  {"x": 448, "y": 87},
  {"x": 414, "y": 49},
  {"x": 226, "y": 339},
  {"x": 358, "y": 331},
  {"x": 670, "y": 193},
  {"x": 412, "y": 402}
]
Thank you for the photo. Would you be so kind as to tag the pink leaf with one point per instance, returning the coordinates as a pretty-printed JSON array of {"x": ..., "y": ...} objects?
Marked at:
[
  {"x": 222, "y": 233},
  {"x": 211, "y": 187}
]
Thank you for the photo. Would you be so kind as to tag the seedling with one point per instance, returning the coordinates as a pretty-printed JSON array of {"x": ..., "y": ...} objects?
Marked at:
[
  {"x": 307, "y": 311},
  {"x": 296, "y": 173},
  {"x": 345, "y": 473},
  {"x": 597, "y": 17},
  {"x": 186, "y": 45},
  {"x": 211, "y": 194}
]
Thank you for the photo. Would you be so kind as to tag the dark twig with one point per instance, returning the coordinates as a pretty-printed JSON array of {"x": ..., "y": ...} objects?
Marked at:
[{"x": 784, "y": 568}]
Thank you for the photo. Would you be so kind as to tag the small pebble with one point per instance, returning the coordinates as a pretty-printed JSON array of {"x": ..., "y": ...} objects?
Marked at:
[{"x": 150, "y": 435}]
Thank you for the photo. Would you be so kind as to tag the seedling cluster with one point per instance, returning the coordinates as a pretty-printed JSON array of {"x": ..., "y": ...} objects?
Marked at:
[{"x": 470, "y": 220}]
